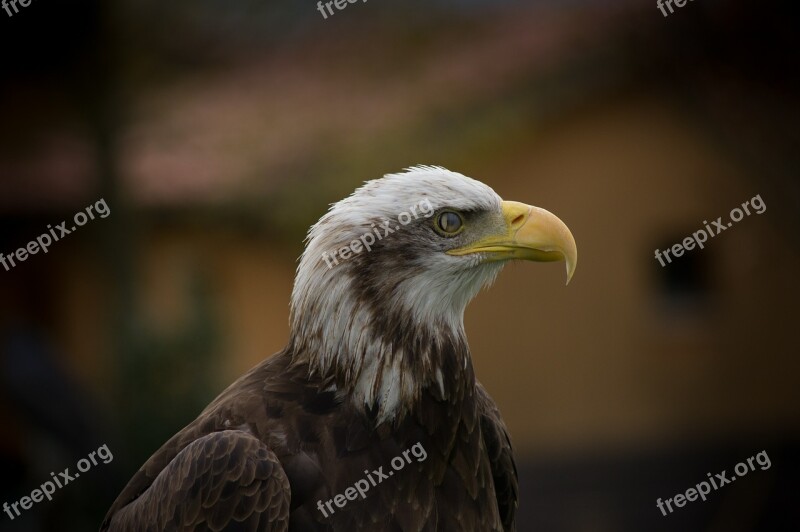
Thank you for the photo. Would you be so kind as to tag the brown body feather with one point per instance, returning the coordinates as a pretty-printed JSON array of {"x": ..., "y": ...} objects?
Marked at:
[{"x": 273, "y": 444}]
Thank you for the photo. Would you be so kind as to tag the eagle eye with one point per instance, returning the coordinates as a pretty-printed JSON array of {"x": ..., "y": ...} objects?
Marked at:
[{"x": 449, "y": 223}]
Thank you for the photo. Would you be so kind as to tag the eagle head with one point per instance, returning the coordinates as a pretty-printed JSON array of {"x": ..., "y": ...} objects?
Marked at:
[{"x": 381, "y": 288}]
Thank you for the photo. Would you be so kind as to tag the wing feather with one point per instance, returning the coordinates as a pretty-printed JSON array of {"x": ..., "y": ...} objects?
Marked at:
[
  {"x": 501, "y": 457},
  {"x": 222, "y": 480}
]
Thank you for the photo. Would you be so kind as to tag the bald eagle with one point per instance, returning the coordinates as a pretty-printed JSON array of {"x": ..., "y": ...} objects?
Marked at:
[{"x": 371, "y": 418}]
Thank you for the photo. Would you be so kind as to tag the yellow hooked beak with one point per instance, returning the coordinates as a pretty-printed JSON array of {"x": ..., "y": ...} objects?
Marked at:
[{"x": 530, "y": 233}]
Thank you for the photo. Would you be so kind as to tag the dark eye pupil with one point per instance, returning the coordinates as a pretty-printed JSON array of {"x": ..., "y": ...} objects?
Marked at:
[{"x": 449, "y": 222}]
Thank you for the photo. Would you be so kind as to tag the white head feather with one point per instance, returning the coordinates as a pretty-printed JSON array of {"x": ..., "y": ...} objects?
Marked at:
[{"x": 333, "y": 301}]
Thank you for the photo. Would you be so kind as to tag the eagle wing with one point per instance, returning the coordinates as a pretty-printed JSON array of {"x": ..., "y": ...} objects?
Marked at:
[
  {"x": 501, "y": 458},
  {"x": 219, "y": 480}
]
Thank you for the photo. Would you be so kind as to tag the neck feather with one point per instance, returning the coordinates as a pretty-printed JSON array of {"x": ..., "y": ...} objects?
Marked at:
[{"x": 382, "y": 358}]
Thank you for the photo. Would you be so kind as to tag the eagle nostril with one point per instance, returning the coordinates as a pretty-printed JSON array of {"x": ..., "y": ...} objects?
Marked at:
[{"x": 518, "y": 220}]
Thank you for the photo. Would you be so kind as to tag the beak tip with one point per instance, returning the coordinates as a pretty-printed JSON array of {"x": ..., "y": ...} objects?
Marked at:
[{"x": 570, "y": 271}]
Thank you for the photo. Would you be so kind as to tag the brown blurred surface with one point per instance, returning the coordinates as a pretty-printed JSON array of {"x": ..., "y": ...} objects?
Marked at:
[{"x": 218, "y": 134}]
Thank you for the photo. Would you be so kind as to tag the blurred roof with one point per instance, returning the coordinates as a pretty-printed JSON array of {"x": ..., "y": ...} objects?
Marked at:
[{"x": 251, "y": 123}]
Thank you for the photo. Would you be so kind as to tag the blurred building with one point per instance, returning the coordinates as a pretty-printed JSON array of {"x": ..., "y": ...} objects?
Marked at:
[{"x": 215, "y": 154}]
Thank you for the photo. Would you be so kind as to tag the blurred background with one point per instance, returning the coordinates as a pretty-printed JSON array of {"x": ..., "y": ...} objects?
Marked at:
[{"x": 217, "y": 133}]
